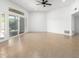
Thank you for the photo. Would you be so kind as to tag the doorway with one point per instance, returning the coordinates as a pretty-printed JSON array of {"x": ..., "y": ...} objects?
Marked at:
[{"x": 75, "y": 23}]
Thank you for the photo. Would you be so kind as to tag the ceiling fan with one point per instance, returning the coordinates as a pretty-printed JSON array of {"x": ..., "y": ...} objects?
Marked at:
[{"x": 44, "y": 3}]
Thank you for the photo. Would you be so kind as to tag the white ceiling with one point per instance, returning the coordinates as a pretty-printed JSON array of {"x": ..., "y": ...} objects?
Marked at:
[{"x": 31, "y": 4}]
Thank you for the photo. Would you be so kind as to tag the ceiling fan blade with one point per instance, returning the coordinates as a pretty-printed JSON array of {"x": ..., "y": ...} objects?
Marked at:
[{"x": 48, "y": 4}]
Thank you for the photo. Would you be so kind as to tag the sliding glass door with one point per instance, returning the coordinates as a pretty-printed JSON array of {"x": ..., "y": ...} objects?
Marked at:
[
  {"x": 13, "y": 25},
  {"x": 16, "y": 25},
  {"x": 2, "y": 26}
]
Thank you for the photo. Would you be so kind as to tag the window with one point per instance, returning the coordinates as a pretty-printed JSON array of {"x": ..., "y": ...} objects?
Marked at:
[{"x": 2, "y": 26}]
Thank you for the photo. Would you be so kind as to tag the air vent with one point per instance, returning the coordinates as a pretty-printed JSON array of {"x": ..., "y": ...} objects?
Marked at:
[{"x": 66, "y": 31}]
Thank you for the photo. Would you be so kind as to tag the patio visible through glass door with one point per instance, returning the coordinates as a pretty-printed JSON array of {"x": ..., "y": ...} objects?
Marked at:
[{"x": 13, "y": 25}]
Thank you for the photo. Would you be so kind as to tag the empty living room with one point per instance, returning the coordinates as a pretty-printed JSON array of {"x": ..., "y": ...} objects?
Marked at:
[{"x": 39, "y": 28}]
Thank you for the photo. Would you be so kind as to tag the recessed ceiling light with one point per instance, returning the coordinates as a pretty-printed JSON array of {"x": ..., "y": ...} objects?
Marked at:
[{"x": 63, "y": 0}]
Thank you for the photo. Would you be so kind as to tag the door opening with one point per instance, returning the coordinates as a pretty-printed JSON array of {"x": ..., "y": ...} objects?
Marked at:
[{"x": 75, "y": 23}]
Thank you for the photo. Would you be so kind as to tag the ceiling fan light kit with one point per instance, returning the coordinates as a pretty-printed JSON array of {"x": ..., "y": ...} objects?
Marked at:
[{"x": 44, "y": 3}]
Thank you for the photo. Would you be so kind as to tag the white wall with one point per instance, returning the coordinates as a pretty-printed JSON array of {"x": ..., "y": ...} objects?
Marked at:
[
  {"x": 37, "y": 22},
  {"x": 3, "y": 6},
  {"x": 59, "y": 20},
  {"x": 55, "y": 21}
]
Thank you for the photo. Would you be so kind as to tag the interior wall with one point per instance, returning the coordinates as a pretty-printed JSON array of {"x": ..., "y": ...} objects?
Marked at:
[
  {"x": 37, "y": 22},
  {"x": 3, "y": 6},
  {"x": 55, "y": 21},
  {"x": 59, "y": 20}
]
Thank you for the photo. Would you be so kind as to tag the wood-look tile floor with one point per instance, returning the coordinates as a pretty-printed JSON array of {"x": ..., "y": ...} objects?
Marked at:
[{"x": 40, "y": 45}]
